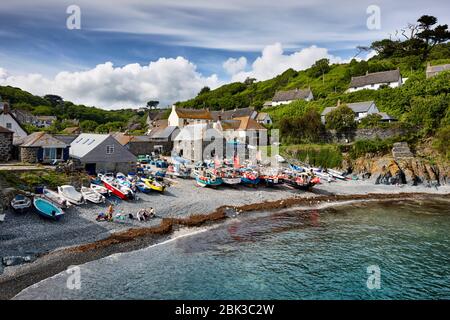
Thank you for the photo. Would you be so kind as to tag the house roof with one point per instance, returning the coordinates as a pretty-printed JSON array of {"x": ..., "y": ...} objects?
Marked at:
[
  {"x": 15, "y": 119},
  {"x": 438, "y": 68},
  {"x": 356, "y": 107},
  {"x": 376, "y": 78},
  {"x": 230, "y": 124},
  {"x": 71, "y": 130},
  {"x": 385, "y": 116},
  {"x": 42, "y": 139},
  {"x": 230, "y": 114},
  {"x": 202, "y": 114},
  {"x": 162, "y": 133},
  {"x": 85, "y": 143},
  {"x": 248, "y": 123},
  {"x": 4, "y": 130},
  {"x": 125, "y": 139},
  {"x": 261, "y": 116},
  {"x": 46, "y": 118},
  {"x": 295, "y": 94}
]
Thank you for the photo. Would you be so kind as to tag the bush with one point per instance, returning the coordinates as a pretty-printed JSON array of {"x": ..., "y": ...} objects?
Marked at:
[
  {"x": 442, "y": 142},
  {"x": 376, "y": 147}
]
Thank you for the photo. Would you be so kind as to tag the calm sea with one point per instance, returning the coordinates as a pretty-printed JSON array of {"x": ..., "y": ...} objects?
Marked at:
[{"x": 290, "y": 254}]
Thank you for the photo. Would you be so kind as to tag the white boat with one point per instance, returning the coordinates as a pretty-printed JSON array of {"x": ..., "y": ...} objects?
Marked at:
[
  {"x": 336, "y": 174},
  {"x": 54, "y": 197},
  {"x": 100, "y": 189},
  {"x": 20, "y": 204},
  {"x": 323, "y": 175},
  {"x": 92, "y": 196},
  {"x": 70, "y": 194},
  {"x": 108, "y": 177},
  {"x": 121, "y": 176}
]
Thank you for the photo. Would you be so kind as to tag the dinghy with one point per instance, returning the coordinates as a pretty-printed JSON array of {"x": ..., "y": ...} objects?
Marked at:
[
  {"x": 302, "y": 181},
  {"x": 154, "y": 185},
  {"x": 47, "y": 209},
  {"x": 55, "y": 198},
  {"x": 142, "y": 187},
  {"x": 92, "y": 196},
  {"x": 208, "y": 179},
  {"x": 70, "y": 194},
  {"x": 250, "y": 177},
  {"x": 230, "y": 177},
  {"x": 100, "y": 189},
  {"x": 20, "y": 204},
  {"x": 115, "y": 190}
]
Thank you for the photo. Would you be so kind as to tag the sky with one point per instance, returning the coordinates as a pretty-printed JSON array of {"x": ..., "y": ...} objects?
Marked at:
[{"x": 128, "y": 52}]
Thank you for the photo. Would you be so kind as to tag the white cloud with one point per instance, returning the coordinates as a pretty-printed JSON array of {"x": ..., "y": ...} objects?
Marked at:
[
  {"x": 233, "y": 66},
  {"x": 166, "y": 79},
  {"x": 274, "y": 61}
]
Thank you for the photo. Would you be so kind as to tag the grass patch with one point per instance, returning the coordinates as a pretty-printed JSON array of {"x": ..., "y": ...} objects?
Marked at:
[
  {"x": 326, "y": 156},
  {"x": 28, "y": 181}
]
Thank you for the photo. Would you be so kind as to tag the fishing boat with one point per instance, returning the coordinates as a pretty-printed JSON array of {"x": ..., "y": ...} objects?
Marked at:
[
  {"x": 250, "y": 177},
  {"x": 115, "y": 189},
  {"x": 71, "y": 195},
  {"x": 154, "y": 185},
  {"x": 302, "y": 181},
  {"x": 208, "y": 178},
  {"x": 55, "y": 198},
  {"x": 92, "y": 196},
  {"x": 230, "y": 177},
  {"x": 100, "y": 189},
  {"x": 179, "y": 171},
  {"x": 142, "y": 187},
  {"x": 323, "y": 175},
  {"x": 336, "y": 174},
  {"x": 20, "y": 204},
  {"x": 47, "y": 209}
]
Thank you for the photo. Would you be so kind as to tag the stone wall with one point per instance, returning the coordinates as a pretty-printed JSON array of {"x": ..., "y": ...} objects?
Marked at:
[
  {"x": 6, "y": 142},
  {"x": 29, "y": 155},
  {"x": 364, "y": 134}
]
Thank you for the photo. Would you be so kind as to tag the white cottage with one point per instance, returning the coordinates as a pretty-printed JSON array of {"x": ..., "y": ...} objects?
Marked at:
[
  {"x": 286, "y": 97},
  {"x": 374, "y": 81},
  {"x": 183, "y": 117},
  {"x": 361, "y": 110},
  {"x": 10, "y": 122}
]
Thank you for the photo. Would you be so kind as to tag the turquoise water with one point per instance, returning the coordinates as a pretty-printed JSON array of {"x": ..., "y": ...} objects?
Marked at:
[{"x": 292, "y": 254}]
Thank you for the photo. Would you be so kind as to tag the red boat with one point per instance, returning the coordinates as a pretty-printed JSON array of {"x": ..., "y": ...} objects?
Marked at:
[{"x": 114, "y": 190}]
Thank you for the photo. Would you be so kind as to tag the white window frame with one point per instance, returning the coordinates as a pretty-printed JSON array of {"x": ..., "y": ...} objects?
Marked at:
[{"x": 8, "y": 125}]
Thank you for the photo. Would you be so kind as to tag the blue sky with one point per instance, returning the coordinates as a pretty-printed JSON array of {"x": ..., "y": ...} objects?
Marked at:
[{"x": 189, "y": 39}]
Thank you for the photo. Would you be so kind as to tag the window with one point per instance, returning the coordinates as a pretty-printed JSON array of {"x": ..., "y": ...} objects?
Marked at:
[
  {"x": 109, "y": 149},
  {"x": 9, "y": 125}
]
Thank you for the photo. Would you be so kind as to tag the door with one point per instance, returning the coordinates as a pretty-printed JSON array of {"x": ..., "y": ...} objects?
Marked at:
[{"x": 91, "y": 168}]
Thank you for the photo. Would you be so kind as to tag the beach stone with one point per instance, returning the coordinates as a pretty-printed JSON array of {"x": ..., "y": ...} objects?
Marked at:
[{"x": 16, "y": 260}]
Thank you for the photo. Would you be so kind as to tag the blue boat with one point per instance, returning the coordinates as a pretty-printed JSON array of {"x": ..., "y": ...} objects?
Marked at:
[
  {"x": 208, "y": 179},
  {"x": 142, "y": 187},
  {"x": 250, "y": 177},
  {"x": 47, "y": 209}
]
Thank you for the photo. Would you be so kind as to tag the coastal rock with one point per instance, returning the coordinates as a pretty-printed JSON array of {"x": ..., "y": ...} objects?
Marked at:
[{"x": 16, "y": 260}]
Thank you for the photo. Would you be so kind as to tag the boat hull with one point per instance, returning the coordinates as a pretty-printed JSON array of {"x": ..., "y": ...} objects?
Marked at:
[
  {"x": 250, "y": 181},
  {"x": 208, "y": 182},
  {"x": 231, "y": 181},
  {"x": 47, "y": 210},
  {"x": 115, "y": 191}
]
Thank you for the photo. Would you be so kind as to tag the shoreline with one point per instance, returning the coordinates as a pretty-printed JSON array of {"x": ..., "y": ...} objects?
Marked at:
[{"x": 15, "y": 279}]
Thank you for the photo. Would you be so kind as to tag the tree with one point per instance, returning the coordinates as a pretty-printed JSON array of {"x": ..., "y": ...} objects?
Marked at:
[
  {"x": 371, "y": 121},
  {"x": 204, "y": 90},
  {"x": 320, "y": 68},
  {"x": 249, "y": 81},
  {"x": 88, "y": 125},
  {"x": 152, "y": 104},
  {"x": 54, "y": 100},
  {"x": 341, "y": 119}
]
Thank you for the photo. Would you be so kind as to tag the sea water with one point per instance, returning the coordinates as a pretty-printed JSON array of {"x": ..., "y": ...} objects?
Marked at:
[{"x": 366, "y": 250}]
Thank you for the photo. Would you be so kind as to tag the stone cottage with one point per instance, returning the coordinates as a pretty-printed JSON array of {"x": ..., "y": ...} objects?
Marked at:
[
  {"x": 41, "y": 147},
  {"x": 6, "y": 142}
]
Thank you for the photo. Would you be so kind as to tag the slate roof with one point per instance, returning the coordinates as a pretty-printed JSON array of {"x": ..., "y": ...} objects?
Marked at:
[
  {"x": 357, "y": 107},
  {"x": 439, "y": 68},
  {"x": 230, "y": 114},
  {"x": 162, "y": 133},
  {"x": 42, "y": 139},
  {"x": 85, "y": 143},
  {"x": 295, "y": 94},
  {"x": 376, "y": 78}
]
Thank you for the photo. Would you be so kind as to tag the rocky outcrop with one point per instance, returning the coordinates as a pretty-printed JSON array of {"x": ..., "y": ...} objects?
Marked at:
[{"x": 412, "y": 171}]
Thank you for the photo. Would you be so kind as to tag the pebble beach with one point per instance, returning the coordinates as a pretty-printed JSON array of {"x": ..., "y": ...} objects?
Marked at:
[{"x": 46, "y": 242}]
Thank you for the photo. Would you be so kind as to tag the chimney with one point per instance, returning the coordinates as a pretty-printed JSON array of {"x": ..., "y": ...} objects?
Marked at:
[
  {"x": 339, "y": 103},
  {"x": 428, "y": 64},
  {"x": 6, "y": 108},
  {"x": 367, "y": 72},
  {"x": 174, "y": 107}
]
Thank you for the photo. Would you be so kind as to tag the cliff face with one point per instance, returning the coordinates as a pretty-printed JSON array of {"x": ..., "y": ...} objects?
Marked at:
[{"x": 411, "y": 170}]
